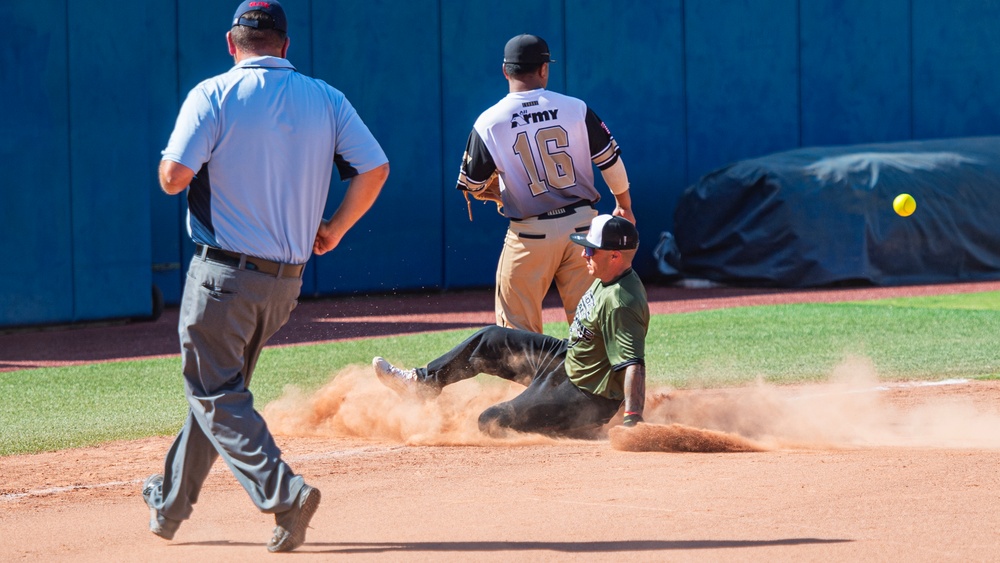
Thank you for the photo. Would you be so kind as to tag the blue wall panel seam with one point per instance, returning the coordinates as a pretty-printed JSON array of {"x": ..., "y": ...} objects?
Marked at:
[
  {"x": 443, "y": 152},
  {"x": 684, "y": 94},
  {"x": 312, "y": 41},
  {"x": 69, "y": 164},
  {"x": 181, "y": 232},
  {"x": 912, "y": 134},
  {"x": 798, "y": 62},
  {"x": 565, "y": 49},
  {"x": 314, "y": 271}
]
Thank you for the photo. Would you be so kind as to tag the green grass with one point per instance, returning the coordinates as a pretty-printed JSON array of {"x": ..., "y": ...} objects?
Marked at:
[
  {"x": 918, "y": 338},
  {"x": 790, "y": 343},
  {"x": 984, "y": 301},
  {"x": 46, "y": 409}
]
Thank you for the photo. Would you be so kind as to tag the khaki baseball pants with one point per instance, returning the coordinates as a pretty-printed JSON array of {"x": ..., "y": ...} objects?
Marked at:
[{"x": 536, "y": 252}]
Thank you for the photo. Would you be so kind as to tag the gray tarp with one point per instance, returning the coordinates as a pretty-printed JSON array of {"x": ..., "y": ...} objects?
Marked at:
[{"x": 823, "y": 216}]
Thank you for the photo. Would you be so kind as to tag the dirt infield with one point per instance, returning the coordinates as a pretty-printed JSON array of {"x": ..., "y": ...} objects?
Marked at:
[{"x": 855, "y": 469}]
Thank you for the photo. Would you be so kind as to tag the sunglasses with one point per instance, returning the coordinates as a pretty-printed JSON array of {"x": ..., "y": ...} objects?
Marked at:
[{"x": 589, "y": 252}]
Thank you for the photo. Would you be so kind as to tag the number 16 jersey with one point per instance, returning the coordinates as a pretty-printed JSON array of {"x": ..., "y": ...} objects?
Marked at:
[{"x": 542, "y": 144}]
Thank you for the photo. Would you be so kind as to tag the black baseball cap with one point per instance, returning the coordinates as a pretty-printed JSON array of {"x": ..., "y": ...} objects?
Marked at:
[
  {"x": 269, "y": 7},
  {"x": 527, "y": 49},
  {"x": 609, "y": 233}
]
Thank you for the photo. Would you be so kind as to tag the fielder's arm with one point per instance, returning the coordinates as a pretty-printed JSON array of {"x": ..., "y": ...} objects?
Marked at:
[
  {"x": 174, "y": 177},
  {"x": 361, "y": 194},
  {"x": 617, "y": 179},
  {"x": 606, "y": 155},
  {"x": 635, "y": 393}
]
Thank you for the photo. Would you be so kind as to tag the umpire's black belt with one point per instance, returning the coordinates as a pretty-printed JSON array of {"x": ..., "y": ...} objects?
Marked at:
[
  {"x": 244, "y": 262},
  {"x": 561, "y": 212}
]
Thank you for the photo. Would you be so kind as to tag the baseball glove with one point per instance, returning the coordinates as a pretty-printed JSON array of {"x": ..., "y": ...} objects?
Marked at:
[{"x": 489, "y": 192}]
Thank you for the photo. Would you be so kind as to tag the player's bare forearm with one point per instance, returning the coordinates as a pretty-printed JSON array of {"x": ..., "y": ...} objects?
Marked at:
[
  {"x": 361, "y": 194},
  {"x": 617, "y": 180},
  {"x": 174, "y": 177},
  {"x": 635, "y": 388}
]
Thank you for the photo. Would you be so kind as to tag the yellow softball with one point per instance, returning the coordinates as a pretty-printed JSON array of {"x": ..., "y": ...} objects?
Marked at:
[{"x": 904, "y": 205}]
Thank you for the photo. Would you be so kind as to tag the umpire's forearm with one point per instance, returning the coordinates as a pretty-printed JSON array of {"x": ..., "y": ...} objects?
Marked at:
[
  {"x": 361, "y": 194},
  {"x": 635, "y": 388}
]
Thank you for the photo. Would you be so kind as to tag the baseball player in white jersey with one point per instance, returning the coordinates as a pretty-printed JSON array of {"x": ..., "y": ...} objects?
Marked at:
[{"x": 541, "y": 144}]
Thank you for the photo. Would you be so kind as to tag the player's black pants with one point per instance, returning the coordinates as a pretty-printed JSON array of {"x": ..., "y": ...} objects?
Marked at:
[{"x": 551, "y": 404}]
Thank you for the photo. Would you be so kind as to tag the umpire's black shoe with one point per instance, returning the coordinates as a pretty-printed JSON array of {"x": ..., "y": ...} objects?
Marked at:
[
  {"x": 158, "y": 523},
  {"x": 290, "y": 531}
]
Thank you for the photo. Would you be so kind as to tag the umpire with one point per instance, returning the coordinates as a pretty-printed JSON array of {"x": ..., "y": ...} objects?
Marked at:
[
  {"x": 254, "y": 148},
  {"x": 574, "y": 386}
]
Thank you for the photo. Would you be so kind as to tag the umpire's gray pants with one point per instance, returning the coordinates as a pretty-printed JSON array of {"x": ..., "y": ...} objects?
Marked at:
[{"x": 226, "y": 317}]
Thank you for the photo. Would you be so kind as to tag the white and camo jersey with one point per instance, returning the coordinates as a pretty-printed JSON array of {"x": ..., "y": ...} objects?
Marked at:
[{"x": 542, "y": 144}]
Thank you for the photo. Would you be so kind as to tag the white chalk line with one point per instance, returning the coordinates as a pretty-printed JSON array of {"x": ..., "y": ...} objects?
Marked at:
[
  {"x": 602, "y": 504},
  {"x": 889, "y": 387},
  {"x": 355, "y": 452},
  {"x": 7, "y": 497},
  {"x": 322, "y": 456}
]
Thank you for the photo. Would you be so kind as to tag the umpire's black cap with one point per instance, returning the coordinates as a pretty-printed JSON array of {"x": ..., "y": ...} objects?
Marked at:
[{"x": 527, "y": 49}]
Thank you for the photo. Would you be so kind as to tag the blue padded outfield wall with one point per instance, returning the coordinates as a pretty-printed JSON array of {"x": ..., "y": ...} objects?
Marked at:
[{"x": 685, "y": 86}]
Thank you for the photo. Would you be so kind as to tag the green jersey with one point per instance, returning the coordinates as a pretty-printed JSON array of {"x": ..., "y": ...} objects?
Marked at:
[{"x": 608, "y": 334}]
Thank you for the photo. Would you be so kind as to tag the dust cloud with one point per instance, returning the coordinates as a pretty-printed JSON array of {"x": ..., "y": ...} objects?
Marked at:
[
  {"x": 853, "y": 408},
  {"x": 355, "y": 404}
]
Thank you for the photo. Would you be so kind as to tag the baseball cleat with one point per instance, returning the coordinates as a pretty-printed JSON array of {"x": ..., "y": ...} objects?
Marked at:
[
  {"x": 158, "y": 523},
  {"x": 290, "y": 531},
  {"x": 403, "y": 381}
]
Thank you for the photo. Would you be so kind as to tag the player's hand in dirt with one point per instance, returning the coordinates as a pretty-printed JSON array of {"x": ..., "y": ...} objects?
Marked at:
[{"x": 632, "y": 419}]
